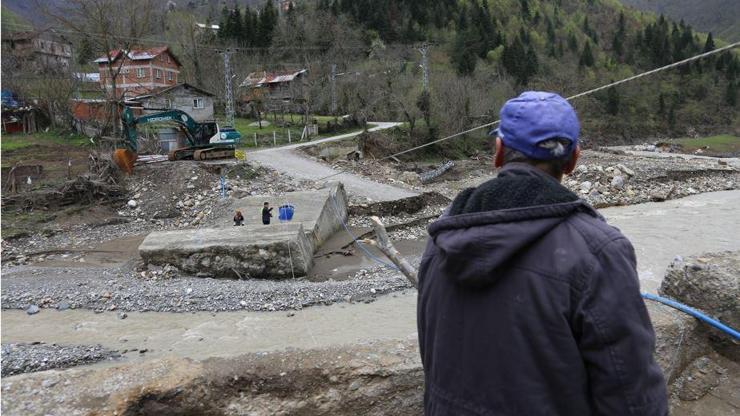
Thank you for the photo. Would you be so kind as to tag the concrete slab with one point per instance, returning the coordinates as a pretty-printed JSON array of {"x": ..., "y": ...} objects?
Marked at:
[
  {"x": 259, "y": 252},
  {"x": 320, "y": 212},
  {"x": 255, "y": 250}
]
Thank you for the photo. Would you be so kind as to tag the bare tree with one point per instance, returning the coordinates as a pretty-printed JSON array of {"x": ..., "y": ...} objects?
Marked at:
[
  {"x": 183, "y": 32},
  {"x": 112, "y": 26}
]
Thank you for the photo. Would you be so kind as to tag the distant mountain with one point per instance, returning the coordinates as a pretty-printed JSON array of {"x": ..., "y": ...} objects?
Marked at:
[
  {"x": 29, "y": 13},
  {"x": 721, "y": 17},
  {"x": 11, "y": 21}
]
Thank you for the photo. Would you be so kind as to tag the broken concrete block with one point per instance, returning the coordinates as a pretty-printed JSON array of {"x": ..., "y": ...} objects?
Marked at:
[
  {"x": 321, "y": 212},
  {"x": 679, "y": 339},
  {"x": 277, "y": 251},
  {"x": 710, "y": 283}
]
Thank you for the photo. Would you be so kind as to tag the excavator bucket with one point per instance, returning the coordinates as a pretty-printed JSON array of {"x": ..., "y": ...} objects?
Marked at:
[{"x": 124, "y": 159}]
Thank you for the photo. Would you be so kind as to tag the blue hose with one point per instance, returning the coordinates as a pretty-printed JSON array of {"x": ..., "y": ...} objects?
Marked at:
[{"x": 696, "y": 314}]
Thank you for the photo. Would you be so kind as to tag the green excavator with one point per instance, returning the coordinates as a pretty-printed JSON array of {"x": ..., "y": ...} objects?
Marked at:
[{"x": 206, "y": 140}]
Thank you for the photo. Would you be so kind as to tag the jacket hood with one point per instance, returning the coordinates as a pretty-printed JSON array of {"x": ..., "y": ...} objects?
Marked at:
[{"x": 476, "y": 243}]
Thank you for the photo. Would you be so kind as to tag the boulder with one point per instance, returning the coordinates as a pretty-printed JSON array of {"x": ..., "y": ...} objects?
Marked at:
[{"x": 710, "y": 283}]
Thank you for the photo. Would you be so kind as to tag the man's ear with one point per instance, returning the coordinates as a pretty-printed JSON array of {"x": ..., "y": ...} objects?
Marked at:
[
  {"x": 571, "y": 166},
  {"x": 498, "y": 157}
]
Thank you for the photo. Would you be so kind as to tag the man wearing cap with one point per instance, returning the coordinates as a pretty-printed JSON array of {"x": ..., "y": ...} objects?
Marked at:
[{"x": 529, "y": 302}]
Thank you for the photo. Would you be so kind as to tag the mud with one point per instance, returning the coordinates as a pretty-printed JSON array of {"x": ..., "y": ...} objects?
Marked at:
[{"x": 203, "y": 334}]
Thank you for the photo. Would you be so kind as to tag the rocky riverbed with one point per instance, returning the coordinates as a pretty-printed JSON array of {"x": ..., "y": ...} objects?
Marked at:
[
  {"x": 603, "y": 178},
  {"x": 27, "y": 358},
  {"x": 125, "y": 290}
]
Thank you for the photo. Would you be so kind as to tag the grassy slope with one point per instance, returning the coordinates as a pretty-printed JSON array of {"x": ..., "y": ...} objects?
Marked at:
[
  {"x": 725, "y": 143},
  {"x": 51, "y": 149}
]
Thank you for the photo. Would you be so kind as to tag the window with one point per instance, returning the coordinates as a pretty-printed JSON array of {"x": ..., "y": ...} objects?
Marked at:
[
  {"x": 170, "y": 75},
  {"x": 198, "y": 103},
  {"x": 140, "y": 73},
  {"x": 124, "y": 71},
  {"x": 158, "y": 73},
  {"x": 167, "y": 103}
]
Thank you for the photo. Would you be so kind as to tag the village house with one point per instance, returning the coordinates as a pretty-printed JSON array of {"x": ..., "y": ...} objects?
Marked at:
[
  {"x": 276, "y": 91},
  {"x": 44, "y": 50},
  {"x": 195, "y": 101},
  {"x": 139, "y": 71}
]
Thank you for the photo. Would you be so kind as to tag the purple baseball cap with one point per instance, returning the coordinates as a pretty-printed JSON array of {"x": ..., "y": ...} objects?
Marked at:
[{"x": 536, "y": 116}]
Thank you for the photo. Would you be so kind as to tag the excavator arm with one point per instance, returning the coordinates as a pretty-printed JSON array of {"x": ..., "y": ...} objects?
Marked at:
[
  {"x": 130, "y": 123},
  {"x": 204, "y": 139}
]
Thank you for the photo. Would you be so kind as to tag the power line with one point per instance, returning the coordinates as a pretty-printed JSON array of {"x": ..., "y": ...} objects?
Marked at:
[
  {"x": 579, "y": 95},
  {"x": 572, "y": 97}
]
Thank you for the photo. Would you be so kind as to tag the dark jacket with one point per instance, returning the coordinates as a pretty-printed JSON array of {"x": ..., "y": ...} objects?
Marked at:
[
  {"x": 266, "y": 215},
  {"x": 529, "y": 304}
]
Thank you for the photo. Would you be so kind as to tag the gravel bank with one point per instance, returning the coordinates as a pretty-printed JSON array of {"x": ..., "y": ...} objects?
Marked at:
[
  {"x": 28, "y": 358},
  {"x": 602, "y": 178},
  {"x": 123, "y": 290}
]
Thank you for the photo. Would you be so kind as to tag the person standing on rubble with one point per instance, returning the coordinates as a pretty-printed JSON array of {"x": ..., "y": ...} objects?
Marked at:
[
  {"x": 238, "y": 218},
  {"x": 529, "y": 302},
  {"x": 266, "y": 213}
]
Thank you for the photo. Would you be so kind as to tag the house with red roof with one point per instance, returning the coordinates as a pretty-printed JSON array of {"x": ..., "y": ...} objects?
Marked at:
[{"x": 139, "y": 71}]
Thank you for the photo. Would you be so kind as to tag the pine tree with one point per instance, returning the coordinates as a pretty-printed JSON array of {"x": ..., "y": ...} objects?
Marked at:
[
  {"x": 526, "y": 13},
  {"x": 572, "y": 42},
  {"x": 709, "y": 44},
  {"x": 532, "y": 67},
  {"x": 731, "y": 94},
  {"x": 235, "y": 22},
  {"x": 85, "y": 52},
  {"x": 464, "y": 51},
  {"x": 612, "y": 101},
  {"x": 618, "y": 40},
  {"x": 223, "y": 24},
  {"x": 587, "y": 57},
  {"x": 249, "y": 27},
  {"x": 266, "y": 26}
]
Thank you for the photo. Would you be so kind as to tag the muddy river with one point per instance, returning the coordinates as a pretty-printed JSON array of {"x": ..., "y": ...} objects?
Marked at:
[{"x": 659, "y": 232}]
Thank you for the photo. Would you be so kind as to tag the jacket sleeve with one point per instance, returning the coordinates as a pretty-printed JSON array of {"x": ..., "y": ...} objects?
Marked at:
[{"x": 616, "y": 338}]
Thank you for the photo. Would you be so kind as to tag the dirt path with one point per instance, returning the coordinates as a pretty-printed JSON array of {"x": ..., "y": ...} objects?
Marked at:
[{"x": 286, "y": 160}]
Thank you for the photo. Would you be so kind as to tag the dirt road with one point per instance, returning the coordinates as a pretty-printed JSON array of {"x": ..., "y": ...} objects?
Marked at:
[{"x": 290, "y": 162}]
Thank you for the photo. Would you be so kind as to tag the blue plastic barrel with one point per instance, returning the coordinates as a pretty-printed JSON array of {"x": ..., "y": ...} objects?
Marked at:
[{"x": 285, "y": 212}]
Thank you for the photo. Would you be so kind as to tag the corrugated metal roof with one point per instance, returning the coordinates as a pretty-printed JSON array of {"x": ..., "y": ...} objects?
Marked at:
[
  {"x": 259, "y": 79},
  {"x": 138, "y": 54}
]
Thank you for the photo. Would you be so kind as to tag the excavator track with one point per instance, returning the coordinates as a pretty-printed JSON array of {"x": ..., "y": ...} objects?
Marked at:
[
  {"x": 214, "y": 153},
  {"x": 209, "y": 153}
]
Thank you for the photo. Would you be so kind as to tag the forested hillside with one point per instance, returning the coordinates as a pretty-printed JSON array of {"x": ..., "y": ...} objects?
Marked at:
[
  {"x": 479, "y": 53},
  {"x": 721, "y": 17},
  {"x": 484, "y": 52}
]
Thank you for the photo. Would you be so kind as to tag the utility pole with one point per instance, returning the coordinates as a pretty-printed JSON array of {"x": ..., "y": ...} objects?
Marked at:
[
  {"x": 229, "y": 98},
  {"x": 334, "y": 89},
  {"x": 424, "y": 50}
]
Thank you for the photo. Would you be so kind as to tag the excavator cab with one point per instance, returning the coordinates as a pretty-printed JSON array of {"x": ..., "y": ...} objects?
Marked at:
[{"x": 205, "y": 133}]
